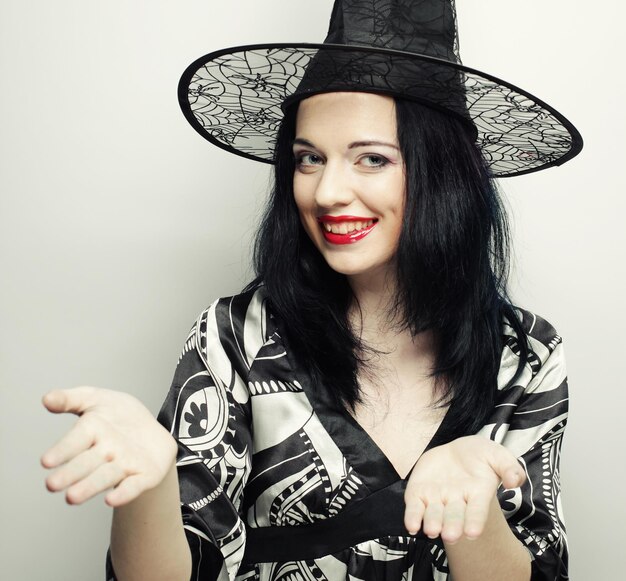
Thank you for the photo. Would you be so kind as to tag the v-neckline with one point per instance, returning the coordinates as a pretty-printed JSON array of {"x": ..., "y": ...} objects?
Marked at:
[
  {"x": 365, "y": 434},
  {"x": 360, "y": 450}
]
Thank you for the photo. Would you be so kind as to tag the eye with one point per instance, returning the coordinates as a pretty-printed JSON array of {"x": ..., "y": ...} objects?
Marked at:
[
  {"x": 307, "y": 159},
  {"x": 373, "y": 160}
]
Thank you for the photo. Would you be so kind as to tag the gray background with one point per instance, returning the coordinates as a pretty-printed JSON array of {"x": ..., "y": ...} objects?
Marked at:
[{"x": 119, "y": 224}]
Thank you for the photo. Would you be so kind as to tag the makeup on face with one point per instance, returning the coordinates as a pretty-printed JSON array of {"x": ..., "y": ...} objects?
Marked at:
[
  {"x": 346, "y": 229},
  {"x": 349, "y": 183}
]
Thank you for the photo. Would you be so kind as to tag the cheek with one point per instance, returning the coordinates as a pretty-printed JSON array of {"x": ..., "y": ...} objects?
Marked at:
[
  {"x": 299, "y": 195},
  {"x": 400, "y": 202},
  {"x": 309, "y": 223},
  {"x": 304, "y": 199},
  {"x": 389, "y": 199},
  {"x": 397, "y": 207},
  {"x": 306, "y": 211}
]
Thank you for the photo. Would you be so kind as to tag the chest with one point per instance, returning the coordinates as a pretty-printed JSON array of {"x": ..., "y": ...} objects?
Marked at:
[
  {"x": 309, "y": 458},
  {"x": 400, "y": 418}
]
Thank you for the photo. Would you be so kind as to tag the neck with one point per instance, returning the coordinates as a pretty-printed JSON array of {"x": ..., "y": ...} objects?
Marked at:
[
  {"x": 373, "y": 299},
  {"x": 381, "y": 328}
]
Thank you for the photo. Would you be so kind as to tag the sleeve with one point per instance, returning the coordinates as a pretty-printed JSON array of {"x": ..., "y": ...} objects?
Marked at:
[
  {"x": 207, "y": 412},
  {"x": 532, "y": 419}
]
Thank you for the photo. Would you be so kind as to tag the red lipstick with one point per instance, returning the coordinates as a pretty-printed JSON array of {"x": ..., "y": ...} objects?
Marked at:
[{"x": 350, "y": 237}]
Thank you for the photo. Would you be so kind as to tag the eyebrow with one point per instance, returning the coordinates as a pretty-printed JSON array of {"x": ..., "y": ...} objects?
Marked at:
[{"x": 353, "y": 145}]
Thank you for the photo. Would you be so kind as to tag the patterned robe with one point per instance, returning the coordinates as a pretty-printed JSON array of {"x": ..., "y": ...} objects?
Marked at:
[{"x": 278, "y": 485}]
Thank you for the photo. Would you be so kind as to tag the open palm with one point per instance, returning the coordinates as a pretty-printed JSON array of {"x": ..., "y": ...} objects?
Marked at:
[{"x": 115, "y": 444}]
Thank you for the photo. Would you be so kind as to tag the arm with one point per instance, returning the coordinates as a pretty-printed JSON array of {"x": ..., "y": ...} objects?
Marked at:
[
  {"x": 208, "y": 414},
  {"x": 526, "y": 425},
  {"x": 117, "y": 446},
  {"x": 210, "y": 429},
  {"x": 495, "y": 554},
  {"x": 147, "y": 536},
  {"x": 452, "y": 494}
]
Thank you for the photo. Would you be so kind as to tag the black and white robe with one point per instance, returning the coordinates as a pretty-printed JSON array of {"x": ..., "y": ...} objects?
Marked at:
[{"x": 277, "y": 485}]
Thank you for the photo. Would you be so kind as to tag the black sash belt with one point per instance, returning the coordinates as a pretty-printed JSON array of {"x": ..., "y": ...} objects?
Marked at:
[{"x": 379, "y": 515}]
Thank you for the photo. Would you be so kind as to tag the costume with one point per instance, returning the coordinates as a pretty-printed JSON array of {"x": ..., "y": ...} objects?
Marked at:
[
  {"x": 409, "y": 49},
  {"x": 277, "y": 484},
  {"x": 260, "y": 447}
]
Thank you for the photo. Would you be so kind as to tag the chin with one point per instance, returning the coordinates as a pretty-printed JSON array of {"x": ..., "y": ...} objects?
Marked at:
[
  {"x": 360, "y": 268},
  {"x": 352, "y": 261},
  {"x": 348, "y": 270}
]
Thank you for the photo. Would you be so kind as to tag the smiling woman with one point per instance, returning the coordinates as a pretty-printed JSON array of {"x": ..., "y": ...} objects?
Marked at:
[
  {"x": 372, "y": 405},
  {"x": 349, "y": 182}
]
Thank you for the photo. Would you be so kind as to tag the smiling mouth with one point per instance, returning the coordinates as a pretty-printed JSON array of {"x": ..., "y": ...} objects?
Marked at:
[{"x": 345, "y": 229}]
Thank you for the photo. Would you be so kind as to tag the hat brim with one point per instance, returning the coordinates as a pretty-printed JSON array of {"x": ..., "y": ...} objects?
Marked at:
[{"x": 233, "y": 98}]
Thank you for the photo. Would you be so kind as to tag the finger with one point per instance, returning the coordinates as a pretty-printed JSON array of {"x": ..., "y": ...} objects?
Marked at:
[
  {"x": 476, "y": 514},
  {"x": 75, "y": 400},
  {"x": 506, "y": 466},
  {"x": 80, "y": 438},
  {"x": 453, "y": 521},
  {"x": 514, "y": 476},
  {"x": 76, "y": 469},
  {"x": 126, "y": 491},
  {"x": 102, "y": 478},
  {"x": 413, "y": 515},
  {"x": 433, "y": 519}
]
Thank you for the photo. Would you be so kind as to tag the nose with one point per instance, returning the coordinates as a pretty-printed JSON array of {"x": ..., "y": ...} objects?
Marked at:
[{"x": 334, "y": 188}]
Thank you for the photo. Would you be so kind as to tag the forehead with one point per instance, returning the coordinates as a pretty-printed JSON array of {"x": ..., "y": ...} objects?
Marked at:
[{"x": 349, "y": 115}]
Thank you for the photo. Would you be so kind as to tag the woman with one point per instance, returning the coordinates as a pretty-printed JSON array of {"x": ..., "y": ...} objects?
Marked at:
[{"x": 371, "y": 406}]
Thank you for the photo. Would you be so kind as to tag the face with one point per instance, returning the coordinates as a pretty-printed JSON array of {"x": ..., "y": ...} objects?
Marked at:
[{"x": 349, "y": 181}]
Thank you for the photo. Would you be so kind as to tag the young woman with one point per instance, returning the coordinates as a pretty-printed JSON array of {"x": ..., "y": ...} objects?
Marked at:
[{"x": 371, "y": 406}]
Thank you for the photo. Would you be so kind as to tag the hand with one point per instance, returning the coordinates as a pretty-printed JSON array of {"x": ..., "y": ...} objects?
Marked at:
[
  {"x": 115, "y": 444},
  {"x": 452, "y": 487}
]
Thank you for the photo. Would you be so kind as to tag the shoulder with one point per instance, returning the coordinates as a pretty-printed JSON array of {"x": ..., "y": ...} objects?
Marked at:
[
  {"x": 541, "y": 337},
  {"x": 232, "y": 330},
  {"x": 538, "y": 329},
  {"x": 545, "y": 349},
  {"x": 247, "y": 309},
  {"x": 224, "y": 342}
]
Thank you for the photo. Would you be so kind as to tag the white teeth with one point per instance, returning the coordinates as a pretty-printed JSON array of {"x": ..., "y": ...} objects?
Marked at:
[{"x": 346, "y": 227}]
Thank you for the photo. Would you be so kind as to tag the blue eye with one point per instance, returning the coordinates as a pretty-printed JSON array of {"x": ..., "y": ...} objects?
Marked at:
[
  {"x": 308, "y": 159},
  {"x": 373, "y": 160}
]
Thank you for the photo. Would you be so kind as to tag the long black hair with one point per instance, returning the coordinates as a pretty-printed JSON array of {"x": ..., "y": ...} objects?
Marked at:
[{"x": 452, "y": 265}]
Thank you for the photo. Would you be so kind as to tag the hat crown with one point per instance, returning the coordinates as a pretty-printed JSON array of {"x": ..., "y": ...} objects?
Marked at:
[
  {"x": 419, "y": 26},
  {"x": 406, "y": 49}
]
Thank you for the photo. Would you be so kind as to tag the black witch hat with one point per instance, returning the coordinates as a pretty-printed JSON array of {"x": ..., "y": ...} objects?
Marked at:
[{"x": 235, "y": 97}]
